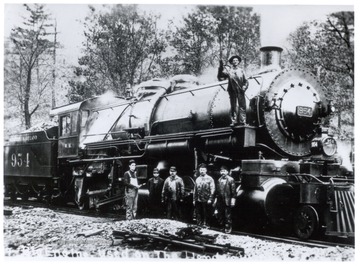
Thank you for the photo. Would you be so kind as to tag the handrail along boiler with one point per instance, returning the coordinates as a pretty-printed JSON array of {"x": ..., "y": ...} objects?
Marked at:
[{"x": 300, "y": 182}]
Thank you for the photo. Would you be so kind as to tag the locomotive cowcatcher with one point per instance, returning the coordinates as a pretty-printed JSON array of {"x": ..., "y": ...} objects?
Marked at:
[{"x": 283, "y": 159}]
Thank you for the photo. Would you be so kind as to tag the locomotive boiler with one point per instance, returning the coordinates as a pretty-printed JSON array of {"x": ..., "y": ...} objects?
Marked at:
[{"x": 283, "y": 159}]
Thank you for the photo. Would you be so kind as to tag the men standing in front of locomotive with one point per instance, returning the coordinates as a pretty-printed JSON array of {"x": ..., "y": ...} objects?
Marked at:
[
  {"x": 155, "y": 185},
  {"x": 172, "y": 194},
  {"x": 237, "y": 86},
  {"x": 225, "y": 199},
  {"x": 131, "y": 190},
  {"x": 204, "y": 192}
]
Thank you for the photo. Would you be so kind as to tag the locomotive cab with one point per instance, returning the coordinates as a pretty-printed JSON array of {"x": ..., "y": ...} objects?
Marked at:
[
  {"x": 79, "y": 123},
  {"x": 68, "y": 129},
  {"x": 86, "y": 121}
]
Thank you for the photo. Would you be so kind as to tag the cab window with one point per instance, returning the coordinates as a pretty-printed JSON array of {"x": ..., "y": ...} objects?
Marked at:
[
  {"x": 65, "y": 123},
  {"x": 68, "y": 124},
  {"x": 84, "y": 117},
  {"x": 74, "y": 122}
]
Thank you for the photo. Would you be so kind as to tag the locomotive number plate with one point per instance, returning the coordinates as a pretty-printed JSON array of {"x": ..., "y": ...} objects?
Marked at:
[{"x": 304, "y": 111}]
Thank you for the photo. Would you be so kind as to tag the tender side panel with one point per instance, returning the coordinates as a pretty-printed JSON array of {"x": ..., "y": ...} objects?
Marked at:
[{"x": 31, "y": 154}]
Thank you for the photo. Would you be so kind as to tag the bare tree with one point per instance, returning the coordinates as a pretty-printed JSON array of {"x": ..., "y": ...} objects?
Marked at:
[{"x": 29, "y": 56}]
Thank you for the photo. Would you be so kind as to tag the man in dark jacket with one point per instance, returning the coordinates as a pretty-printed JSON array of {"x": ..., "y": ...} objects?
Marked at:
[
  {"x": 155, "y": 185},
  {"x": 172, "y": 194},
  {"x": 226, "y": 193},
  {"x": 204, "y": 192},
  {"x": 131, "y": 190},
  {"x": 237, "y": 86}
]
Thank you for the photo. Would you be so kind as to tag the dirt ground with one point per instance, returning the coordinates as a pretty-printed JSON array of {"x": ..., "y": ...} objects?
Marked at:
[{"x": 43, "y": 233}]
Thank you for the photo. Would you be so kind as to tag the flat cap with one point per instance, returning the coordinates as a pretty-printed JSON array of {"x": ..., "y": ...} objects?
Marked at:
[
  {"x": 202, "y": 165},
  {"x": 223, "y": 167},
  {"x": 173, "y": 168}
]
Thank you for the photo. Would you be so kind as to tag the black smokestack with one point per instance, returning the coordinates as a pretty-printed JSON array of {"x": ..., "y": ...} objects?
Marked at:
[{"x": 270, "y": 57}]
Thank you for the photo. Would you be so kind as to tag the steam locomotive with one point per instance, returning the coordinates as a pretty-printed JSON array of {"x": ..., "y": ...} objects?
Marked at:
[{"x": 283, "y": 159}]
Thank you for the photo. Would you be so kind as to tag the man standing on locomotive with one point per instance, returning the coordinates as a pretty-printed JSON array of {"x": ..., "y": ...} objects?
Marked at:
[
  {"x": 172, "y": 194},
  {"x": 155, "y": 185},
  {"x": 225, "y": 199},
  {"x": 204, "y": 192},
  {"x": 131, "y": 190},
  {"x": 237, "y": 86}
]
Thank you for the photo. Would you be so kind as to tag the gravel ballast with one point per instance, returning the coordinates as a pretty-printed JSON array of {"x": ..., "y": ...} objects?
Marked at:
[{"x": 44, "y": 233}]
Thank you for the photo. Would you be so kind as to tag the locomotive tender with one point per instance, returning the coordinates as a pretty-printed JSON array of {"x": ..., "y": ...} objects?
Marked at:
[{"x": 283, "y": 159}]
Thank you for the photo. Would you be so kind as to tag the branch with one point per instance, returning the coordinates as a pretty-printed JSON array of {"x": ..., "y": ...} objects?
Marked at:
[
  {"x": 33, "y": 111},
  {"x": 339, "y": 33}
]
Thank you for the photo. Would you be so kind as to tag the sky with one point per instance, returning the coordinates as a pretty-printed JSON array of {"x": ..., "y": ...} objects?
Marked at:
[{"x": 277, "y": 20}]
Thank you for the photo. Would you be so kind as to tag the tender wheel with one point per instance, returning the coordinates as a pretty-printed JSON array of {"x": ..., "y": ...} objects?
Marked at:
[
  {"x": 10, "y": 191},
  {"x": 306, "y": 222},
  {"x": 13, "y": 195},
  {"x": 25, "y": 196}
]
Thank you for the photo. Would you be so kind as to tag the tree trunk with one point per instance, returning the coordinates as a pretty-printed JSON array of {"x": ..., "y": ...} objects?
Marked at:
[
  {"x": 339, "y": 120},
  {"x": 53, "y": 100},
  {"x": 27, "y": 115}
]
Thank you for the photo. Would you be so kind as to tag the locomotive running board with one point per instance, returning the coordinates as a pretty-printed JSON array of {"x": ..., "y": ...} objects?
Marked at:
[
  {"x": 223, "y": 131},
  {"x": 202, "y": 133},
  {"x": 248, "y": 132}
]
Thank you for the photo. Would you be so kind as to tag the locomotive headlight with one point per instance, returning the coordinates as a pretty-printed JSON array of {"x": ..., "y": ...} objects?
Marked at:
[
  {"x": 326, "y": 146},
  {"x": 329, "y": 146}
]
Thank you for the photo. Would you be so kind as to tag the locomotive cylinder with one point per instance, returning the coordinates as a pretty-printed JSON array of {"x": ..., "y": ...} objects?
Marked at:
[
  {"x": 265, "y": 195},
  {"x": 169, "y": 148}
]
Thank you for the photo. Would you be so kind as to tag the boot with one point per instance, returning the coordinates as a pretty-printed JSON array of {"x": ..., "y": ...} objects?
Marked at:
[{"x": 228, "y": 229}]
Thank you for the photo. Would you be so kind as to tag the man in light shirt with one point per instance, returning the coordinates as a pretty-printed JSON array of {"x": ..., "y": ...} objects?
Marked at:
[{"x": 131, "y": 190}]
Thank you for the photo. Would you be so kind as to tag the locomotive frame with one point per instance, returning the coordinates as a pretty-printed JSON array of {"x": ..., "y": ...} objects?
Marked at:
[{"x": 301, "y": 183}]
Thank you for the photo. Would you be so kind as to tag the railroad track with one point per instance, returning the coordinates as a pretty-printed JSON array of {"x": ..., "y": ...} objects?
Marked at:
[
  {"x": 316, "y": 243},
  {"x": 293, "y": 240},
  {"x": 120, "y": 215}
]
